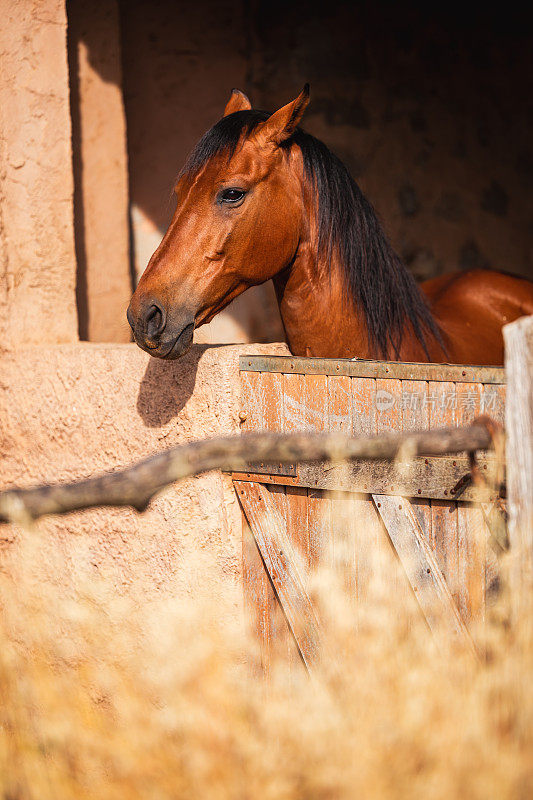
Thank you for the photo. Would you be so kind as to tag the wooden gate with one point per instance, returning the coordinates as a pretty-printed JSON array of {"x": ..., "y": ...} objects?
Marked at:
[{"x": 439, "y": 533}]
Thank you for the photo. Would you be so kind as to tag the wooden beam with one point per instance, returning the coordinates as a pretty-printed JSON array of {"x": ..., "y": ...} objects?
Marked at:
[
  {"x": 270, "y": 533},
  {"x": 422, "y": 570},
  {"x": 438, "y": 477}
]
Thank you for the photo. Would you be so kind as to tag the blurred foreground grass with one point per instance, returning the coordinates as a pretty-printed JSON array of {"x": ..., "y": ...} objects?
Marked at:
[{"x": 103, "y": 700}]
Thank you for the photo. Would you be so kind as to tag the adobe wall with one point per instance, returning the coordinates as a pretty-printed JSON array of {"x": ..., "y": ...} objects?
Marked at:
[
  {"x": 74, "y": 411},
  {"x": 37, "y": 258}
]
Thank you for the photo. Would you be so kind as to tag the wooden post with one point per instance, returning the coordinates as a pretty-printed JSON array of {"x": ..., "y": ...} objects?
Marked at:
[{"x": 518, "y": 338}]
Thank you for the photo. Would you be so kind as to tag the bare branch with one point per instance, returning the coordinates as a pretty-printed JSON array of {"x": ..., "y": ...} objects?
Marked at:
[{"x": 137, "y": 484}]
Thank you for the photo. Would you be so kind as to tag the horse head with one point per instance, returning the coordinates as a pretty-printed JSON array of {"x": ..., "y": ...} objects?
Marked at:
[{"x": 239, "y": 221}]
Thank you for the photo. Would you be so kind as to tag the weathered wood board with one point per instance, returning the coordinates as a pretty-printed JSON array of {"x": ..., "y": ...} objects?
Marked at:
[{"x": 361, "y": 515}]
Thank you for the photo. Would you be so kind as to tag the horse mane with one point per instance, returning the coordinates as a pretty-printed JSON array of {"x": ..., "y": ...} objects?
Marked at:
[{"x": 376, "y": 278}]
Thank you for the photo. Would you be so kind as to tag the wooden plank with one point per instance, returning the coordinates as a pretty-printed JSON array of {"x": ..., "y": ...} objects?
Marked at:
[
  {"x": 355, "y": 368},
  {"x": 363, "y": 406},
  {"x": 315, "y": 401},
  {"x": 339, "y": 404},
  {"x": 477, "y": 533},
  {"x": 468, "y": 405},
  {"x": 281, "y": 641},
  {"x": 472, "y": 550},
  {"x": 301, "y": 413},
  {"x": 371, "y": 553},
  {"x": 342, "y": 553},
  {"x": 270, "y": 533},
  {"x": 467, "y": 583},
  {"x": 368, "y": 530},
  {"x": 389, "y": 418},
  {"x": 262, "y": 399},
  {"x": 258, "y": 593},
  {"x": 315, "y": 396},
  {"x": 434, "y": 477},
  {"x": 294, "y": 417},
  {"x": 255, "y": 595},
  {"x": 283, "y": 648},
  {"x": 444, "y": 534},
  {"x": 388, "y": 405},
  {"x": 318, "y": 525},
  {"x": 294, "y": 420},
  {"x": 251, "y": 401},
  {"x": 442, "y": 405},
  {"x": 295, "y": 508},
  {"x": 307, "y": 513},
  {"x": 422, "y": 570},
  {"x": 493, "y": 402},
  {"x": 271, "y": 396},
  {"x": 415, "y": 416}
]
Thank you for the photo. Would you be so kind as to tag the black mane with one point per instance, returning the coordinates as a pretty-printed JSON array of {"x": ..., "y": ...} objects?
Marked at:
[{"x": 375, "y": 276}]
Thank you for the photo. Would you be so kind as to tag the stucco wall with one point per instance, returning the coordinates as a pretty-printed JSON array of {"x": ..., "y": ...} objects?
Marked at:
[
  {"x": 73, "y": 411},
  {"x": 37, "y": 260}
]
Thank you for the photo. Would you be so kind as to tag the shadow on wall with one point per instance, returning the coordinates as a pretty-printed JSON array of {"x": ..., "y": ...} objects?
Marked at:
[{"x": 167, "y": 386}]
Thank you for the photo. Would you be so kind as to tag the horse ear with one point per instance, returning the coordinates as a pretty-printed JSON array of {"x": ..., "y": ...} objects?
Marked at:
[
  {"x": 237, "y": 102},
  {"x": 282, "y": 124}
]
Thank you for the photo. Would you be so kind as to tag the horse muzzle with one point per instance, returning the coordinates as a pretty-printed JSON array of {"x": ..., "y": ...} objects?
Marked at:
[{"x": 158, "y": 335}]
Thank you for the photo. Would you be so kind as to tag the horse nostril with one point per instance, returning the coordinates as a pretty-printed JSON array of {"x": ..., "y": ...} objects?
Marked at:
[{"x": 155, "y": 321}]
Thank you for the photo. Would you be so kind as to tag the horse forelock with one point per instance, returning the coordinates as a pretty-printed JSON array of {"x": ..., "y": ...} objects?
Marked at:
[{"x": 223, "y": 139}]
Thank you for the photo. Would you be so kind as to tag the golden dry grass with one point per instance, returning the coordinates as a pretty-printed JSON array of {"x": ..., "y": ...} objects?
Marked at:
[{"x": 167, "y": 702}]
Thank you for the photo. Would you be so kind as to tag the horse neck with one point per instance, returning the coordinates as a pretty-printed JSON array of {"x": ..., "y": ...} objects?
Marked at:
[
  {"x": 321, "y": 321},
  {"x": 318, "y": 318}
]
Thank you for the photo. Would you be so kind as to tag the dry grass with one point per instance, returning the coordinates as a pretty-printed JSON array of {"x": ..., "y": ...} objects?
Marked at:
[{"x": 128, "y": 702}]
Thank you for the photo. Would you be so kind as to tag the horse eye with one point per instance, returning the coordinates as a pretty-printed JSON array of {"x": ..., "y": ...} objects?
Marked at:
[{"x": 231, "y": 195}]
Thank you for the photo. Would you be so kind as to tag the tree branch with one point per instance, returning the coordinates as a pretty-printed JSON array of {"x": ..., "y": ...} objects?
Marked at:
[{"x": 137, "y": 484}]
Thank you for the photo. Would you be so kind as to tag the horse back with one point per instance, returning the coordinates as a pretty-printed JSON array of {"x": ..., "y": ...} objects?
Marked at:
[{"x": 471, "y": 309}]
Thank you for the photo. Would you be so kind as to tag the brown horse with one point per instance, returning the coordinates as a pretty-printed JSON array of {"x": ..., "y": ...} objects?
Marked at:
[{"x": 257, "y": 199}]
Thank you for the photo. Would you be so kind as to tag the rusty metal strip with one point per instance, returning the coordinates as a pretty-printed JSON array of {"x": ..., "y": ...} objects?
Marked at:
[{"x": 355, "y": 368}]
